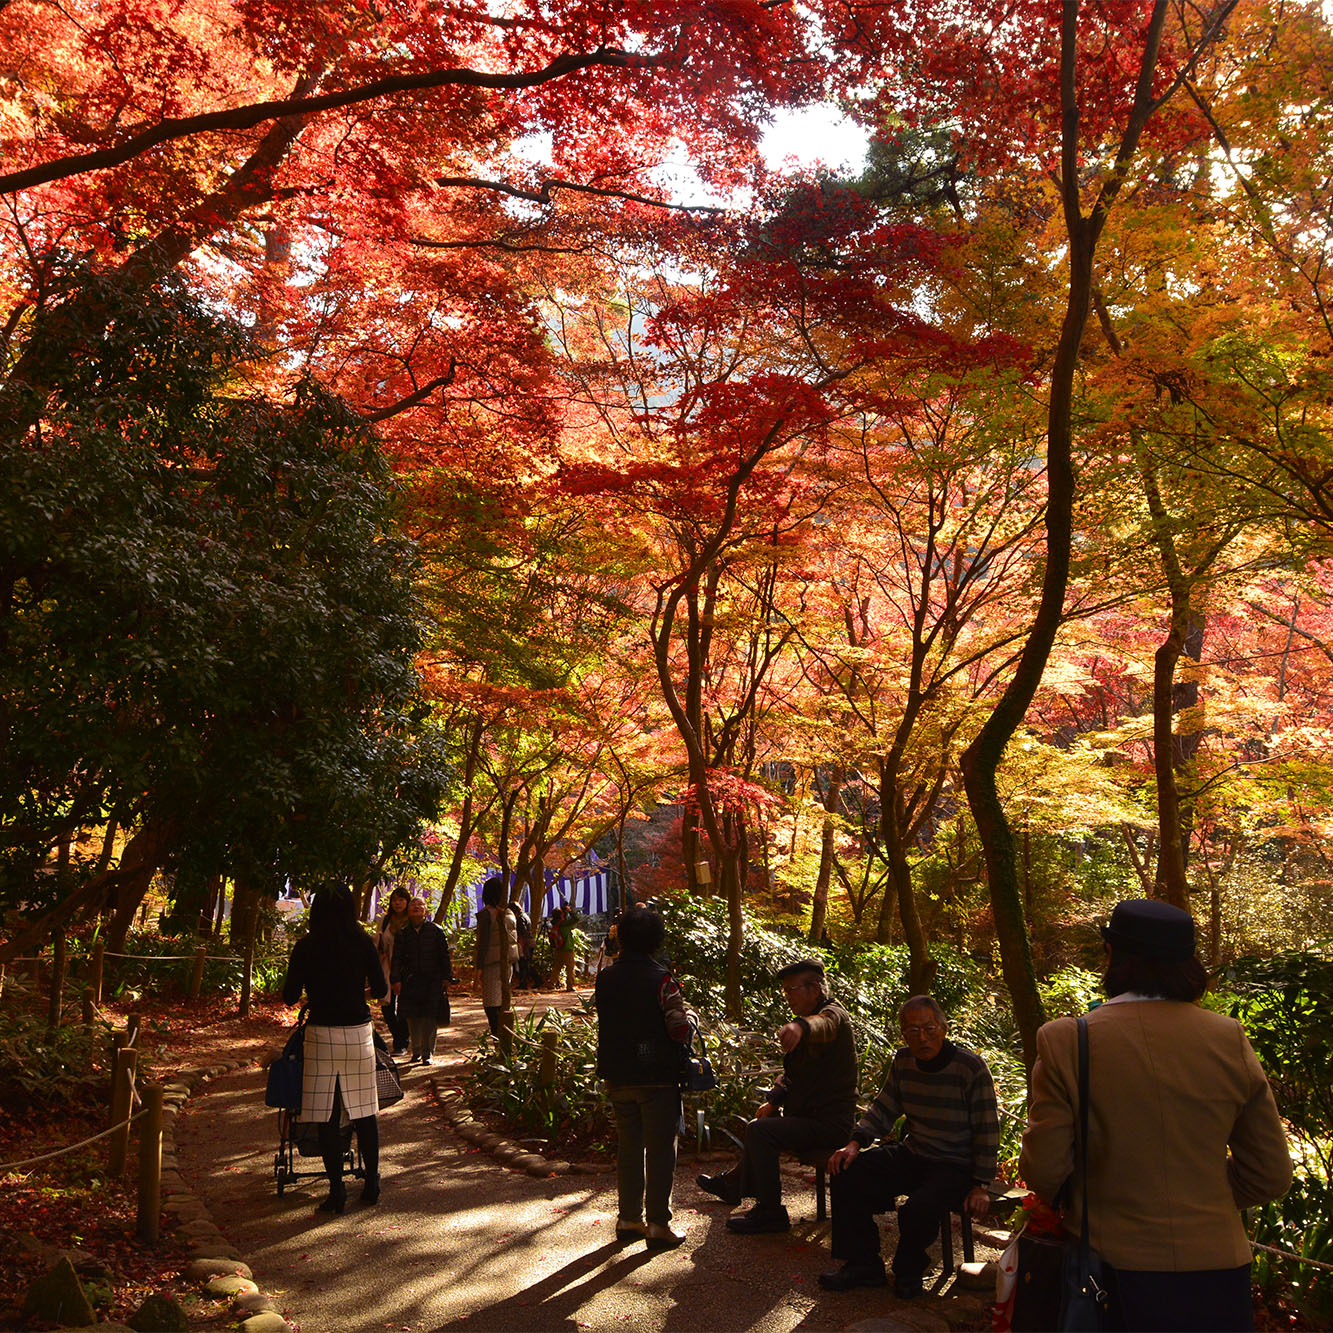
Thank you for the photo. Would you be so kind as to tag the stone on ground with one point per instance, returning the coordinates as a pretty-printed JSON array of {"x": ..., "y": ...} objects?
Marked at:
[
  {"x": 159, "y": 1314},
  {"x": 57, "y": 1297}
]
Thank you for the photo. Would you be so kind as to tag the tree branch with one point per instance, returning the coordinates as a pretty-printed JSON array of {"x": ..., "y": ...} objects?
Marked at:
[{"x": 255, "y": 113}]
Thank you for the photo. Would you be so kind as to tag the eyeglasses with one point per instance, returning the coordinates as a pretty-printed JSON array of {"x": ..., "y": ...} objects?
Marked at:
[{"x": 924, "y": 1030}]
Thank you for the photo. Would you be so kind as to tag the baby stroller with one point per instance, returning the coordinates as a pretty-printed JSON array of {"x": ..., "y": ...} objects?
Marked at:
[{"x": 300, "y": 1138}]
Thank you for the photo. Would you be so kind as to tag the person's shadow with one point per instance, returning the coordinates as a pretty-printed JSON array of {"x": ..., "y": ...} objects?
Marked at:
[{"x": 554, "y": 1302}]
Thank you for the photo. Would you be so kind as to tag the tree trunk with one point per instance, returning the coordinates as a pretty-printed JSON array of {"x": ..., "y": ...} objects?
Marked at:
[
  {"x": 921, "y": 967},
  {"x": 731, "y": 887},
  {"x": 819, "y": 908},
  {"x": 1169, "y": 882},
  {"x": 982, "y": 758},
  {"x": 464, "y": 821}
]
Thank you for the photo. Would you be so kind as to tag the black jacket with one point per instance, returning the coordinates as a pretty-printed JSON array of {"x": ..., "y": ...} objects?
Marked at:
[
  {"x": 633, "y": 1046},
  {"x": 334, "y": 973},
  {"x": 421, "y": 962}
]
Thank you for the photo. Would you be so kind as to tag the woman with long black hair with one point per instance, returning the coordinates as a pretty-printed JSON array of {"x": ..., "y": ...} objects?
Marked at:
[{"x": 335, "y": 963}]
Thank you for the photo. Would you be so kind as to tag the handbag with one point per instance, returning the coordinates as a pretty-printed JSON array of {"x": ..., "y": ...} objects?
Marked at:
[
  {"x": 1085, "y": 1289},
  {"x": 283, "y": 1088},
  {"x": 388, "y": 1082},
  {"x": 696, "y": 1071}
]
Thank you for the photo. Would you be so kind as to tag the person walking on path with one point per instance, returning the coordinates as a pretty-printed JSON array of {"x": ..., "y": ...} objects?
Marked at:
[
  {"x": 334, "y": 964},
  {"x": 561, "y": 934},
  {"x": 946, "y": 1159},
  {"x": 394, "y": 920},
  {"x": 497, "y": 949},
  {"x": 643, "y": 1026},
  {"x": 523, "y": 930},
  {"x": 1183, "y": 1131},
  {"x": 421, "y": 973},
  {"x": 812, "y": 1106}
]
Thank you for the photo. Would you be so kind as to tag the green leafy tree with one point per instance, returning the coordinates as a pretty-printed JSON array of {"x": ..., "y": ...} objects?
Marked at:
[{"x": 207, "y": 621}]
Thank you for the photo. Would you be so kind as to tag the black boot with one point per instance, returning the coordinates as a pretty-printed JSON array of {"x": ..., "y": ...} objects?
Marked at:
[
  {"x": 368, "y": 1140},
  {"x": 337, "y": 1200}
]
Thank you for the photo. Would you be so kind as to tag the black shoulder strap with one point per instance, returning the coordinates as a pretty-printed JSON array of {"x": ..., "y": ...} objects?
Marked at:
[{"x": 1084, "y": 1243}]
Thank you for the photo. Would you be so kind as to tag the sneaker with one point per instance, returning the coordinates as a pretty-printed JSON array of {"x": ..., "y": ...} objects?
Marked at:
[
  {"x": 399, "y": 1050},
  {"x": 905, "y": 1288},
  {"x": 628, "y": 1232},
  {"x": 722, "y": 1187},
  {"x": 662, "y": 1237},
  {"x": 850, "y": 1276},
  {"x": 760, "y": 1220}
]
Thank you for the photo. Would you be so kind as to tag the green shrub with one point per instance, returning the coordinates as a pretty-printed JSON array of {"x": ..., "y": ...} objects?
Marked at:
[
  {"x": 1302, "y": 1223},
  {"x": 1070, "y": 991},
  {"x": 1283, "y": 1003},
  {"x": 50, "y": 1067}
]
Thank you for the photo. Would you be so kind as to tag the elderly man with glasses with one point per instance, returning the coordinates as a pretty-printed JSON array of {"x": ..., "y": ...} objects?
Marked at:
[
  {"x": 946, "y": 1158},
  {"x": 811, "y": 1106}
]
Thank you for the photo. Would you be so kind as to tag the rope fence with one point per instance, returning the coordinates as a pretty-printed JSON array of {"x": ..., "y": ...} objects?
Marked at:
[
  {"x": 1287, "y": 1254},
  {"x": 117, "y": 1128}
]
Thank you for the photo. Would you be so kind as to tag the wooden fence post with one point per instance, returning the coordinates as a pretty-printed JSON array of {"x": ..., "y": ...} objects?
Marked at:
[
  {"x": 132, "y": 1024},
  {"x": 546, "y": 1073},
  {"x": 121, "y": 1103},
  {"x": 89, "y": 1014},
  {"x": 35, "y": 973},
  {"x": 150, "y": 1166},
  {"x": 58, "y": 956},
  {"x": 95, "y": 981},
  {"x": 197, "y": 973}
]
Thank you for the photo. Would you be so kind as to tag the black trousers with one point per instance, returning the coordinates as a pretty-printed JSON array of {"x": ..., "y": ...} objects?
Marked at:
[
  {"x": 1213, "y": 1301},
  {"x": 393, "y": 1017},
  {"x": 872, "y": 1184},
  {"x": 766, "y": 1139}
]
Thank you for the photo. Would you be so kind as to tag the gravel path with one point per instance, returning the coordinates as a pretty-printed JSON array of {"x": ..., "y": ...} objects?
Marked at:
[{"x": 459, "y": 1241}]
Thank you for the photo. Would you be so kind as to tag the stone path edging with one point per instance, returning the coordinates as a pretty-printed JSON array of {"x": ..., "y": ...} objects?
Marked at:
[
  {"x": 449, "y": 1098},
  {"x": 217, "y": 1267}
]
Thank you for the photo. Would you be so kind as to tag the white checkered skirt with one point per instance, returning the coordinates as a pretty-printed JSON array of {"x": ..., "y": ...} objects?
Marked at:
[{"x": 338, "y": 1057}]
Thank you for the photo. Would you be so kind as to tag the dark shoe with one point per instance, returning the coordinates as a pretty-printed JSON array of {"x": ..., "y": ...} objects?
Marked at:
[
  {"x": 906, "y": 1289},
  {"x": 399, "y": 1050},
  {"x": 722, "y": 1187},
  {"x": 760, "y": 1220},
  {"x": 662, "y": 1237},
  {"x": 370, "y": 1191},
  {"x": 425, "y": 1059},
  {"x": 337, "y": 1200},
  {"x": 850, "y": 1276}
]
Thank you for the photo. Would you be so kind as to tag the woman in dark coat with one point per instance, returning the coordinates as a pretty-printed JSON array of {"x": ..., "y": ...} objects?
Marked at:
[
  {"x": 419, "y": 972},
  {"x": 642, "y": 1027},
  {"x": 334, "y": 964}
]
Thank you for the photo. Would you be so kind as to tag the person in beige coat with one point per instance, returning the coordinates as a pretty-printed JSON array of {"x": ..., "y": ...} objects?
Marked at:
[
  {"x": 497, "y": 949},
  {"x": 1183, "y": 1131}
]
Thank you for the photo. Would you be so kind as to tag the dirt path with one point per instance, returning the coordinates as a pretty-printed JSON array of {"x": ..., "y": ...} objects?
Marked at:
[{"x": 461, "y": 1242}]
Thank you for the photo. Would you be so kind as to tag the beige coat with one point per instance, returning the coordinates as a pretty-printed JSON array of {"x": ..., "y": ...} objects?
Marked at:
[
  {"x": 1183, "y": 1132},
  {"x": 491, "y": 952}
]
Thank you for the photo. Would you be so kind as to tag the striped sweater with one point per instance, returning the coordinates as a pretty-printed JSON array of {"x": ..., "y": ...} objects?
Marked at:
[{"x": 950, "y": 1110}]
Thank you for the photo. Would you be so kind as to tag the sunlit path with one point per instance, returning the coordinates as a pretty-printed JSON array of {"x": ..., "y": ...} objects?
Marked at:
[{"x": 459, "y": 1241}]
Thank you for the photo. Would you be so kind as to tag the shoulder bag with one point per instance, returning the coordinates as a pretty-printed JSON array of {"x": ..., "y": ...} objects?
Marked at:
[
  {"x": 1085, "y": 1298},
  {"x": 284, "y": 1074},
  {"x": 696, "y": 1071}
]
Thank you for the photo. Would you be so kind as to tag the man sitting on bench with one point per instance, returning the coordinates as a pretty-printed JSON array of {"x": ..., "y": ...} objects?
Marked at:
[
  {"x": 946, "y": 1159},
  {"x": 811, "y": 1106}
]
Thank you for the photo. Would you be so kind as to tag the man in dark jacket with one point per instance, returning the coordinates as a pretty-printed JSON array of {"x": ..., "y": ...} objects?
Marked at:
[
  {"x": 419, "y": 973},
  {"x": 811, "y": 1107},
  {"x": 643, "y": 1026}
]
